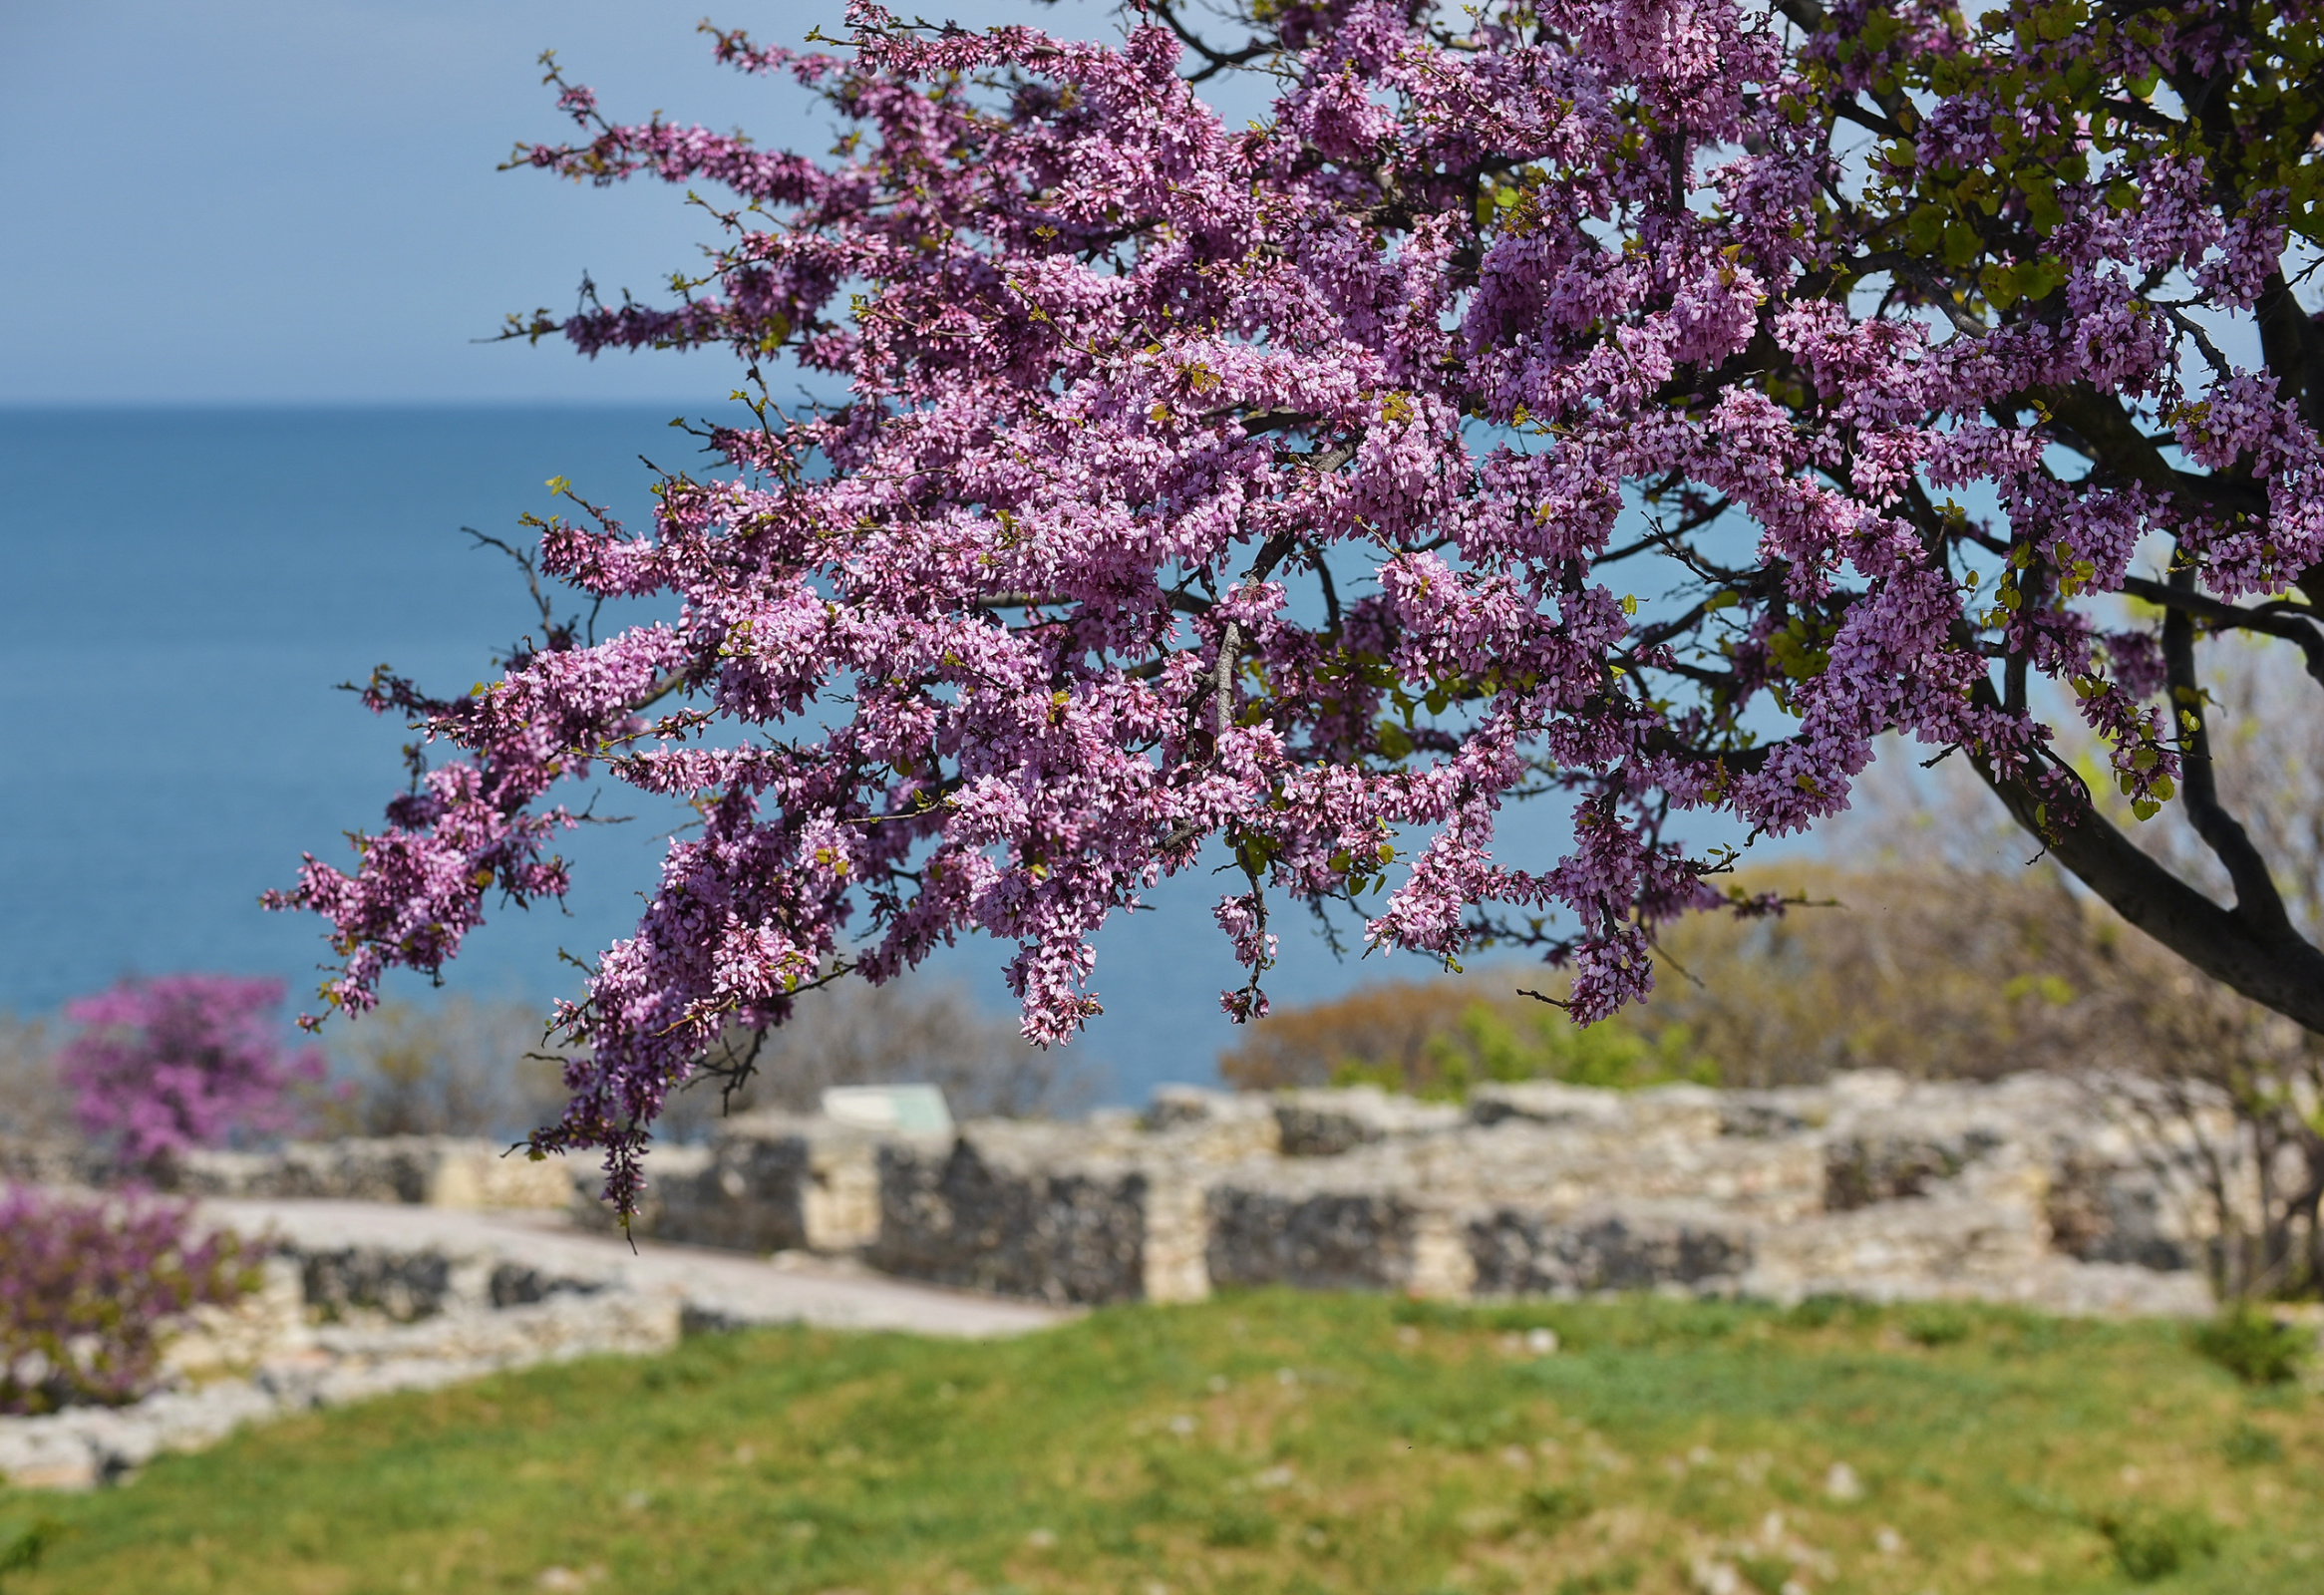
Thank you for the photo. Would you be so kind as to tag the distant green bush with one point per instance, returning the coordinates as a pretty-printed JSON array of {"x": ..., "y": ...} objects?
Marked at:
[
  {"x": 1938, "y": 1324},
  {"x": 2248, "y": 1446},
  {"x": 1622, "y": 1575},
  {"x": 2253, "y": 1346},
  {"x": 2153, "y": 1545},
  {"x": 1819, "y": 1311},
  {"x": 1239, "y": 1527},
  {"x": 1493, "y": 1044},
  {"x": 22, "y": 1544},
  {"x": 1553, "y": 1507}
]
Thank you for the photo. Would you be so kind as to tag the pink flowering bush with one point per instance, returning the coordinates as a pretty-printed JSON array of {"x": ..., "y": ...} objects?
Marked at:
[
  {"x": 88, "y": 1287},
  {"x": 1644, "y": 405},
  {"x": 165, "y": 1065}
]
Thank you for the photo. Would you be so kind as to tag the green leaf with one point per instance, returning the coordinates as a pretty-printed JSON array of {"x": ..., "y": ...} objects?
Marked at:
[
  {"x": 1962, "y": 244},
  {"x": 1925, "y": 228},
  {"x": 2042, "y": 204}
]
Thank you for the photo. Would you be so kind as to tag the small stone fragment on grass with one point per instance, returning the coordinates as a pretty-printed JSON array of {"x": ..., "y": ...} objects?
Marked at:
[
  {"x": 1041, "y": 1539},
  {"x": 1842, "y": 1483},
  {"x": 1887, "y": 1541},
  {"x": 1541, "y": 1342}
]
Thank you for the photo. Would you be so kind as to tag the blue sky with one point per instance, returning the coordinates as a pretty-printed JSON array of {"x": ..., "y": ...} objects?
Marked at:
[{"x": 295, "y": 200}]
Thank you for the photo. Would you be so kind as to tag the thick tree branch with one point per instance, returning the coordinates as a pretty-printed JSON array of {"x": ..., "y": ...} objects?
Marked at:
[
  {"x": 2256, "y": 897},
  {"x": 1216, "y": 61},
  {"x": 2282, "y": 972},
  {"x": 2293, "y": 346},
  {"x": 2095, "y": 426},
  {"x": 2293, "y": 628}
]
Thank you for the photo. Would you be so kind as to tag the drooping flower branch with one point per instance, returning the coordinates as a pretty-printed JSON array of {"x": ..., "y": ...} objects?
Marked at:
[{"x": 1578, "y": 397}]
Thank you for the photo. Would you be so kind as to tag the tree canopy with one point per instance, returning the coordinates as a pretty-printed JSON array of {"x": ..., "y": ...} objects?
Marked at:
[{"x": 1640, "y": 403}]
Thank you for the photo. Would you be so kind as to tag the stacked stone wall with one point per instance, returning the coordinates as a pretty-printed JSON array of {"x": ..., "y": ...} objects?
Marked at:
[
  {"x": 440, "y": 1170},
  {"x": 1871, "y": 1185},
  {"x": 2020, "y": 1189}
]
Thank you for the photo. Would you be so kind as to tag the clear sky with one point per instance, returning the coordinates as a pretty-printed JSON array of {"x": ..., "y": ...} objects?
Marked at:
[{"x": 295, "y": 200}]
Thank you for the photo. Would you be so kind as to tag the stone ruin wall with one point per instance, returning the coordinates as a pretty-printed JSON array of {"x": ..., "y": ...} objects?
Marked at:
[
  {"x": 2018, "y": 1190},
  {"x": 1869, "y": 1186}
]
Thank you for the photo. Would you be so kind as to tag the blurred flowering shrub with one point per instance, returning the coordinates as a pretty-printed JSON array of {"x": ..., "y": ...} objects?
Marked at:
[
  {"x": 182, "y": 1061},
  {"x": 89, "y": 1285}
]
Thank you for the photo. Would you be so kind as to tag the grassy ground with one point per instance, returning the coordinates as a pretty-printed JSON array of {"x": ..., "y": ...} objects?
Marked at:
[{"x": 1269, "y": 1442}]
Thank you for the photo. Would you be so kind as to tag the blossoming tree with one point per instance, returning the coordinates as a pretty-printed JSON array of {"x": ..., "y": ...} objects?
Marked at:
[
  {"x": 1646, "y": 401},
  {"x": 162, "y": 1066}
]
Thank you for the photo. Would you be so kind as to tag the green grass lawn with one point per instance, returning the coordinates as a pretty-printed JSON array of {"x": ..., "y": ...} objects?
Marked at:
[{"x": 1275, "y": 1441}]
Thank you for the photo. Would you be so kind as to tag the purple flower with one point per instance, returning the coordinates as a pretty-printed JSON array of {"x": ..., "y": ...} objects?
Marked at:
[{"x": 167, "y": 1064}]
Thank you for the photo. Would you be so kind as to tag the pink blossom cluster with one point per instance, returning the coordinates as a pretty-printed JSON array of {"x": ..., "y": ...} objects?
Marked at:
[
  {"x": 162, "y": 1066},
  {"x": 1531, "y": 406},
  {"x": 89, "y": 1285}
]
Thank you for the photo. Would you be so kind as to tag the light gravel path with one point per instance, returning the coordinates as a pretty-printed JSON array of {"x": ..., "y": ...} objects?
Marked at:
[{"x": 713, "y": 1287}]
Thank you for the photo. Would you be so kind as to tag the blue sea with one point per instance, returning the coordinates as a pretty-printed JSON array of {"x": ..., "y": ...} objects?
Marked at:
[{"x": 185, "y": 588}]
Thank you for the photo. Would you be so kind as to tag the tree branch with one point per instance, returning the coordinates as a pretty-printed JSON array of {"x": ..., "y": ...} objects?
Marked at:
[
  {"x": 2256, "y": 899},
  {"x": 1218, "y": 60},
  {"x": 2288, "y": 624},
  {"x": 2282, "y": 972},
  {"x": 2104, "y": 435}
]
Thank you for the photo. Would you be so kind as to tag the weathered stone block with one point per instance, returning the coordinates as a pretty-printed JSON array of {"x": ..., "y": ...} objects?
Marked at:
[
  {"x": 2106, "y": 1211},
  {"x": 390, "y": 1169},
  {"x": 1188, "y": 1123},
  {"x": 1333, "y": 1228},
  {"x": 1863, "y": 1169},
  {"x": 1013, "y": 1208},
  {"x": 363, "y": 1281},
  {"x": 1784, "y": 1110},
  {"x": 672, "y": 1174},
  {"x": 1919, "y": 1246},
  {"x": 440, "y": 1170},
  {"x": 768, "y": 1182},
  {"x": 1326, "y": 1124},
  {"x": 1548, "y": 1102},
  {"x": 1639, "y": 1245},
  {"x": 482, "y": 1174}
]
